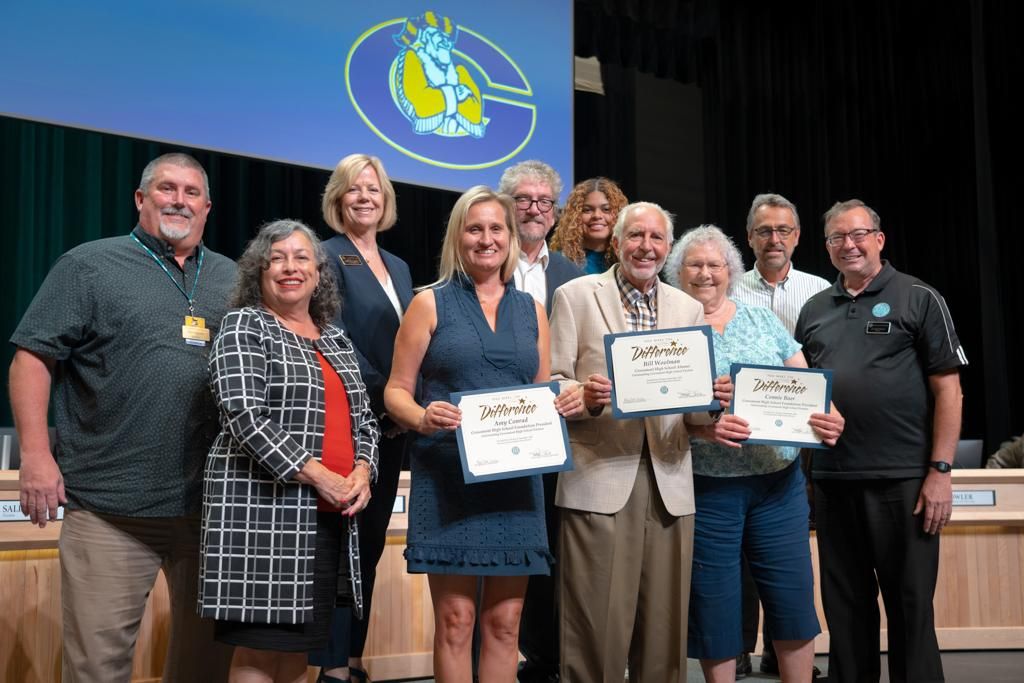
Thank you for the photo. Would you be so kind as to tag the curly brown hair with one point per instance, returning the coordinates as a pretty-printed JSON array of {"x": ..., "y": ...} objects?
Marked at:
[
  {"x": 326, "y": 302},
  {"x": 568, "y": 236}
]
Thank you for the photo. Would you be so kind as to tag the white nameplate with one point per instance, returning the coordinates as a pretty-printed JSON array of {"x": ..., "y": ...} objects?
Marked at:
[
  {"x": 10, "y": 511},
  {"x": 974, "y": 498}
]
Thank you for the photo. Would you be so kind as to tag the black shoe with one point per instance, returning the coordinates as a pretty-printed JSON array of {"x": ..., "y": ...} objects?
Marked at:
[
  {"x": 324, "y": 678},
  {"x": 538, "y": 678},
  {"x": 532, "y": 673},
  {"x": 770, "y": 665},
  {"x": 743, "y": 666}
]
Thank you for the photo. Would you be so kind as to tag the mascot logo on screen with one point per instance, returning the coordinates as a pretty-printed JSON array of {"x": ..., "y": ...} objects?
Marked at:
[
  {"x": 435, "y": 94},
  {"x": 463, "y": 108}
]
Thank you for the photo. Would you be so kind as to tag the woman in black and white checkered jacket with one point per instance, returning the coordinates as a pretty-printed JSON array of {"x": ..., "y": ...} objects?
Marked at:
[{"x": 291, "y": 467}]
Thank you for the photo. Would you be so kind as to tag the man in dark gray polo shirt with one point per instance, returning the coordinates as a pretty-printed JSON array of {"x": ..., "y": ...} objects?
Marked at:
[
  {"x": 120, "y": 330},
  {"x": 883, "y": 492}
]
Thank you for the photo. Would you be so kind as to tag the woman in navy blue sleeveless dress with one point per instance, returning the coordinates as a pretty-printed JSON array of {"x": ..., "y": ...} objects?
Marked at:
[
  {"x": 489, "y": 528},
  {"x": 471, "y": 331}
]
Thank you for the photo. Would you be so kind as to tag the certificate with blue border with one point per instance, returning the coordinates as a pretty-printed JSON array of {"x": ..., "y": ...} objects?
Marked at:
[
  {"x": 511, "y": 432},
  {"x": 661, "y": 372},
  {"x": 778, "y": 401}
]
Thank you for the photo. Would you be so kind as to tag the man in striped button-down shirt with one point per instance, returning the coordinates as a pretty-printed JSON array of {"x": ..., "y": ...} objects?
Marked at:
[{"x": 773, "y": 231}]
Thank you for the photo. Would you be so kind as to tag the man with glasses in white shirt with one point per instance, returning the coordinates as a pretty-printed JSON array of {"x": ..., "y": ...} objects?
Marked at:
[
  {"x": 773, "y": 231},
  {"x": 534, "y": 187}
]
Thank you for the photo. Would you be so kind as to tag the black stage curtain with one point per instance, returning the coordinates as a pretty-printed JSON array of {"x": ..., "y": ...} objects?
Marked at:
[{"x": 903, "y": 104}]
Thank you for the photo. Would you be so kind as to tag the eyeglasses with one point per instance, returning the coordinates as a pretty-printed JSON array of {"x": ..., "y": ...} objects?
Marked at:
[
  {"x": 543, "y": 204},
  {"x": 766, "y": 233},
  {"x": 838, "y": 239},
  {"x": 713, "y": 267}
]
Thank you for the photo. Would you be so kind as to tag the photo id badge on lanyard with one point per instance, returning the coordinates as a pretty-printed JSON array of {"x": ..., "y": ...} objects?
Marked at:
[{"x": 194, "y": 330}]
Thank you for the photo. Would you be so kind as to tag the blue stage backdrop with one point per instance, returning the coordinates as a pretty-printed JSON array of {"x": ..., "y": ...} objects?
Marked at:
[{"x": 446, "y": 93}]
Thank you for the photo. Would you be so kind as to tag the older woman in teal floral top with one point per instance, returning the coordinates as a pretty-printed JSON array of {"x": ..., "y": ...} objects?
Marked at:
[{"x": 749, "y": 497}]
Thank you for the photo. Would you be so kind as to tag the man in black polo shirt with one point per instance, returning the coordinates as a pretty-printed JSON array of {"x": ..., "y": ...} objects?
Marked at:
[
  {"x": 120, "y": 329},
  {"x": 883, "y": 493}
]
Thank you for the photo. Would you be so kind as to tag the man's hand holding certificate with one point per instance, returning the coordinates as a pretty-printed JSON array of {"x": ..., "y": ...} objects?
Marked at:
[
  {"x": 661, "y": 372},
  {"x": 511, "y": 432}
]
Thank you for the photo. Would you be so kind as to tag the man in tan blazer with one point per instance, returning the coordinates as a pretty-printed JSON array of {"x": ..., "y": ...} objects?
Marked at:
[{"x": 627, "y": 519}]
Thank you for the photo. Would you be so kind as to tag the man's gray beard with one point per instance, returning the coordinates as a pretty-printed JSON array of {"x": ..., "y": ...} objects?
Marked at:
[
  {"x": 531, "y": 238},
  {"x": 170, "y": 233}
]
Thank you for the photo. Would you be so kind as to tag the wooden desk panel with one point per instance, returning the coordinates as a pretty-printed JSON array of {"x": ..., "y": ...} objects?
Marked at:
[
  {"x": 400, "y": 642},
  {"x": 979, "y": 599},
  {"x": 979, "y": 594}
]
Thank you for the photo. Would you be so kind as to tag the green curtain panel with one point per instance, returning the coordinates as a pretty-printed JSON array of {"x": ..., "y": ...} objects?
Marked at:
[{"x": 62, "y": 187}]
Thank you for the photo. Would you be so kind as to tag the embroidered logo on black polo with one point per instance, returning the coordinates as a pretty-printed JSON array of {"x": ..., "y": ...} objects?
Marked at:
[{"x": 880, "y": 310}]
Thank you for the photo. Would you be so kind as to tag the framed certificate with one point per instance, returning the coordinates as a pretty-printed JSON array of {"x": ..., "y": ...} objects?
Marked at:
[
  {"x": 778, "y": 401},
  {"x": 661, "y": 371},
  {"x": 511, "y": 432}
]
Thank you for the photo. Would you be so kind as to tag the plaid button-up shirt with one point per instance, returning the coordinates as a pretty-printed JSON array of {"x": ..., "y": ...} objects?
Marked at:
[{"x": 641, "y": 309}]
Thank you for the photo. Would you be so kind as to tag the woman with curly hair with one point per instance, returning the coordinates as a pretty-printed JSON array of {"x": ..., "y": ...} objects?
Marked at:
[
  {"x": 584, "y": 231},
  {"x": 292, "y": 465}
]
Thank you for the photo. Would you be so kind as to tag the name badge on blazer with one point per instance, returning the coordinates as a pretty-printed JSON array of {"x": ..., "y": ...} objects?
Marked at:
[
  {"x": 878, "y": 327},
  {"x": 351, "y": 260}
]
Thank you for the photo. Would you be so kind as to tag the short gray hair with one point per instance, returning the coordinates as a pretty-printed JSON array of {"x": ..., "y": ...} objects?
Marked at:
[
  {"x": 531, "y": 169},
  {"x": 175, "y": 159},
  {"x": 326, "y": 302},
  {"x": 849, "y": 205},
  {"x": 704, "y": 234},
  {"x": 770, "y": 199},
  {"x": 629, "y": 209}
]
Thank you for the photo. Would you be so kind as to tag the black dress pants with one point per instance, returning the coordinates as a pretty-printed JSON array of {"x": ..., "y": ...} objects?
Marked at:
[
  {"x": 869, "y": 539},
  {"x": 348, "y": 633},
  {"x": 538, "y": 627}
]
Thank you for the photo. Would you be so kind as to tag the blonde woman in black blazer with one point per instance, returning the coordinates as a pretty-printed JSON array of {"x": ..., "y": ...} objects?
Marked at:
[
  {"x": 270, "y": 560},
  {"x": 376, "y": 288}
]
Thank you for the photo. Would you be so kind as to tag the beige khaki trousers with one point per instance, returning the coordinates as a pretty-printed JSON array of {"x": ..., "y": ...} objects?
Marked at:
[
  {"x": 625, "y": 590},
  {"x": 108, "y": 567}
]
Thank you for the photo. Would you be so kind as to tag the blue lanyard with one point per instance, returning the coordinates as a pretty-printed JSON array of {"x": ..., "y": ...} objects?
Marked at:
[{"x": 189, "y": 296}]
